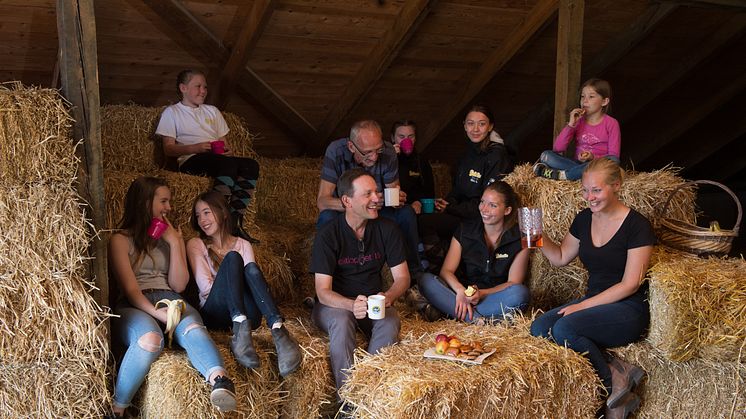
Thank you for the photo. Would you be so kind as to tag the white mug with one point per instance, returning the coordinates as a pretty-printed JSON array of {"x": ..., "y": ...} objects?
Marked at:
[
  {"x": 391, "y": 197},
  {"x": 376, "y": 307}
]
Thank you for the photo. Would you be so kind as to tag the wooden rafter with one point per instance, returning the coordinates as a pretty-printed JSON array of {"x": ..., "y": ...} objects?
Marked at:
[
  {"x": 644, "y": 149},
  {"x": 734, "y": 26},
  {"x": 697, "y": 151},
  {"x": 713, "y": 167},
  {"x": 539, "y": 15},
  {"x": 258, "y": 17},
  {"x": 569, "y": 59},
  {"x": 738, "y": 4},
  {"x": 611, "y": 53},
  {"x": 411, "y": 15},
  {"x": 76, "y": 29},
  {"x": 201, "y": 43}
]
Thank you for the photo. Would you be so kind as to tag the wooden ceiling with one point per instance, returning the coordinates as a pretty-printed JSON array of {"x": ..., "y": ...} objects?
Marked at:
[{"x": 301, "y": 71}]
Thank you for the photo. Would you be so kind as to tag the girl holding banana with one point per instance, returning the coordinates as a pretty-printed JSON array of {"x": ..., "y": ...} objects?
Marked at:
[{"x": 150, "y": 267}]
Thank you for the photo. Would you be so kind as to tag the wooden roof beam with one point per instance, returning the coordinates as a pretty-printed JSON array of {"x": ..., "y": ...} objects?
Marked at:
[
  {"x": 699, "y": 149},
  {"x": 713, "y": 167},
  {"x": 643, "y": 150},
  {"x": 569, "y": 59},
  {"x": 201, "y": 43},
  {"x": 413, "y": 12},
  {"x": 257, "y": 20},
  {"x": 611, "y": 53},
  {"x": 78, "y": 64},
  {"x": 737, "y": 4},
  {"x": 537, "y": 18}
]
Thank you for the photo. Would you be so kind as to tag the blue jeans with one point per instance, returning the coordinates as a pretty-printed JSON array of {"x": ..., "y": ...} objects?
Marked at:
[
  {"x": 573, "y": 168},
  {"x": 405, "y": 218},
  {"x": 594, "y": 329},
  {"x": 129, "y": 331},
  {"x": 239, "y": 290},
  {"x": 511, "y": 299}
]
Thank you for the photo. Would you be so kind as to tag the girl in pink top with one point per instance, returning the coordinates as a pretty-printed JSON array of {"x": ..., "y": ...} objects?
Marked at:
[{"x": 596, "y": 135}]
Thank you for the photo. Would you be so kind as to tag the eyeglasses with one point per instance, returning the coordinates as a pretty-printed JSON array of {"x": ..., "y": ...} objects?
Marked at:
[
  {"x": 480, "y": 124},
  {"x": 366, "y": 154},
  {"x": 361, "y": 256}
]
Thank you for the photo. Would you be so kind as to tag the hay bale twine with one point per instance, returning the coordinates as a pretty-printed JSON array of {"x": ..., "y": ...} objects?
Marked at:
[
  {"x": 35, "y": 137},
  {"x": 693, "y": 389},
  {"x": 526, "y": 377},
  {"x": 562, "y": 200},
  {"x": 174, "y": 389},
  {"x": 697, "y": 306},
  {"x": 53, "y": 346}
]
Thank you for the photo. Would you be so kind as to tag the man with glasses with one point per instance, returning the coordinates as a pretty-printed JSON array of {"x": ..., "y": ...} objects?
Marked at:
[
  {"x": 348, "y": 255},
  {"x": 365, "y": 149}
]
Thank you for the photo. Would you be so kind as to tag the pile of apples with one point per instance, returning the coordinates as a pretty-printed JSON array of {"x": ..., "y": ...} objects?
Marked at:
[{"x": 452, "y": 346}]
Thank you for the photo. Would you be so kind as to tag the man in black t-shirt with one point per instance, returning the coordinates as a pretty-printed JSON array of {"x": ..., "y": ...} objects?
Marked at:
[{"x": 348, "y": 254}]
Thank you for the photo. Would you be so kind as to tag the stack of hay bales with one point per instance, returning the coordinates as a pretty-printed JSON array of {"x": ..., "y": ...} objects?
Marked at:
[
  {"x": 525, "y": 377},
  {"x": 53, "y": 345},
  {"x": 560, "y": 201},
  {"x": 131, "y": 149}
]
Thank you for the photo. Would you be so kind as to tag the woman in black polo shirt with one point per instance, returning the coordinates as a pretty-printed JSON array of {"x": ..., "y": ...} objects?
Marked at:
[{"x": 486, "y": 256}]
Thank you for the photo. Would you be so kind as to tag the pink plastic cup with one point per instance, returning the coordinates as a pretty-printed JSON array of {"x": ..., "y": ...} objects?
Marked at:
[
  {"x": 218, "y": 147},
  {"x": 157, "y": 228}
]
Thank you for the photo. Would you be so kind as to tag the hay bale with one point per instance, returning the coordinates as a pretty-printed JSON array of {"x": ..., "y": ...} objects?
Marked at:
[
  {"x": 35, "y": 137},
  {"x": 174, "y": 389},
  {"x": 129, "y": 143},
  {"x": 692, "y": 389},
  {"x": 562, "y": 200},
  {"x": 310, "y": 390},
  {"x": 526, "y": 377},
  {"x": 53, "y": 346},
  {"x": 697, "y": 307},
  {"x": 287, "y": 190}
]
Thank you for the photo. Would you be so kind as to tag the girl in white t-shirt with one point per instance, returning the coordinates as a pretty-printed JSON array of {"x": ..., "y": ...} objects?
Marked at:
[{"x": 195, "y": 133}]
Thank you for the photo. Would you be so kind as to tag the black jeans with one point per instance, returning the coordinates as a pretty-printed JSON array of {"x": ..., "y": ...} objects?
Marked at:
[
  {"x": 214, "y": 165},
  {"x": 239, "y": 290}
]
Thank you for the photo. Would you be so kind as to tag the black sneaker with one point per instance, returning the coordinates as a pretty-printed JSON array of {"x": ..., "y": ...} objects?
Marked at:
[
  {"x": 223, "y": 395},
  {"x": 431, "y": 314},
  {"x": 542, "y": 170}
]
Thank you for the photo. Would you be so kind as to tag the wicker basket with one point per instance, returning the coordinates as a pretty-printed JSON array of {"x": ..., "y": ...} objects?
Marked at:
[{"x": 690, "y": 238}]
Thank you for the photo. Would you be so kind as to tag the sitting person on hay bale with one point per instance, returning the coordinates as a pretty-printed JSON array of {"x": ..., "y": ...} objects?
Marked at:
[
  {"x": 151, "y": 267},
  {"x": 348, "y": 255},
  {"x": 615, "y": 243},
  {"x": 232, "y": 287},
  {"x": 195, "y": 133},
  {"x": 365, "y": 149},
  {"x": 490, "y": 261}
]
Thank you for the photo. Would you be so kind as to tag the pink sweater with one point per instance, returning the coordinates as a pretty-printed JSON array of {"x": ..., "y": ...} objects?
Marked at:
[{"x": 603, "y": 139}]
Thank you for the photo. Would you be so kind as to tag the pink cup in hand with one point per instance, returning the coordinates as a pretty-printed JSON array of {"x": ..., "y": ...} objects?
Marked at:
[
  {"x": 218, "y": 147},
  {"x": 157, "y": 228}
]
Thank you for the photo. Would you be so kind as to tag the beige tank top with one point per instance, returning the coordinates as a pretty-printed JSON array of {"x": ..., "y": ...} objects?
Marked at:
[{"x": 152, "y": 272}]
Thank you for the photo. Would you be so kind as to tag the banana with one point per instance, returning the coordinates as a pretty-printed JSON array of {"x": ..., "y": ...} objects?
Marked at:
[
  {"x": 714, "y": 226},
  {"x": 175, "y": 307}
]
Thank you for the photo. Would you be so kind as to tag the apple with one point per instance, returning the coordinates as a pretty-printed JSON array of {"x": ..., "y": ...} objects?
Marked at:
[
  {"x": 452, "y": 351},
  {"x": 441, "y": 337},
  {"x": 441, "y": 347},
  {"x": 454, "y": 343}
]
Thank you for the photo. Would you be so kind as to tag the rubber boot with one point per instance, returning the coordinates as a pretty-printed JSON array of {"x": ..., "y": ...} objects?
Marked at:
[
  {"x": 238, "y": 230},
  {"x": 241, "y": 345},
  {"x": 288, "y": 351}
]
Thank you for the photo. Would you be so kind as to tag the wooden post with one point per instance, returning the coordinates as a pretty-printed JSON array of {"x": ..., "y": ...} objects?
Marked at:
[
  {"x": 569, "y": 58},
  {"x": 76, "y": 29}
]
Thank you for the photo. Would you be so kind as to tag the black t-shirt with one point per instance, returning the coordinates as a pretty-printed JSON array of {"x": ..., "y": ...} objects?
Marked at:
[
  {"x": 479, "y": 266},
  {"x": 416, "y": 177},
  {"x": 606, "y": 264},
  {"x": 355, "y": 265}
]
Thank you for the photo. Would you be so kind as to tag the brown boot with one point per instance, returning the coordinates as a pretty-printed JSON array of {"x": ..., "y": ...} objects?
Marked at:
[
  {"x": 627, "y": 405},
  {"x": 289, "y": 356},
  {"x": 242, "y": 346},
  {"x": 624, "y": 377}
]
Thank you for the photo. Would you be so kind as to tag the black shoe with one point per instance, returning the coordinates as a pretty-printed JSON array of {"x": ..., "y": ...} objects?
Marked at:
[
  {"x": 431, "y": 314},
  {"x": 288, "y": 351},
  {"x": 241, "y": 345},
  {"x": 223, "y": 395}
]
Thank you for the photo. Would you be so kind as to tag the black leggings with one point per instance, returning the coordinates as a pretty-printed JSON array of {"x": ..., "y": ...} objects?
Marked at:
[{"x": 215, "y": 165}]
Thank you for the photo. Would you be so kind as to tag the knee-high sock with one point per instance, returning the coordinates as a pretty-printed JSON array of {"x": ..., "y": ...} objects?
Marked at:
[
  {"x": 224, "y": 185},
  {"x": 241, "y": 195}
]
